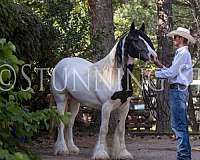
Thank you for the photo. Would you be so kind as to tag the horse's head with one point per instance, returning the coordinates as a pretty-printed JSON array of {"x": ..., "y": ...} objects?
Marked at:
[{"x": 136, "y": 44}]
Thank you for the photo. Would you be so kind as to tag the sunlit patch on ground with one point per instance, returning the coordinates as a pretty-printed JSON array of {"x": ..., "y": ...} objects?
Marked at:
[{"x": 142, "y": 148}]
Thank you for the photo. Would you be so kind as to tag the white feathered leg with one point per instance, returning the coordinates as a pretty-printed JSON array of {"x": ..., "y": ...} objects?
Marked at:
[
  {"x": 73, "y": 108},
  {"x": 60, "y": 146},
  {"x": 100, "y": 151},
  {"x": 119, "y": 150}
]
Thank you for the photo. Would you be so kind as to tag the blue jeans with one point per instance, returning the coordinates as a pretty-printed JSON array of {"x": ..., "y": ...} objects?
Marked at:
[{"x": 179, "y": 123}]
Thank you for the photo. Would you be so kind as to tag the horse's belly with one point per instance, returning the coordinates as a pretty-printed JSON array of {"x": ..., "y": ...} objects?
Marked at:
[
  {"x": 81, "y": 87},
  {"x": 89, "y": 88},
  {"x": 79, "y": 78},
  {"x": 86, "y": 99},
  {"x": 72, "y": 76}
]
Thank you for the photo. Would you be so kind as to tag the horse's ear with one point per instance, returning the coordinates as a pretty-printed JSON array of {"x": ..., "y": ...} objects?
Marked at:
[
  {"x": 132, "y": 29},
  {"x": 142, "y": 28}
]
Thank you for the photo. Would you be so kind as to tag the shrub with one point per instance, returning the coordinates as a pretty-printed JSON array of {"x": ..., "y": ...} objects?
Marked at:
[{"x": 17, "y": 123}]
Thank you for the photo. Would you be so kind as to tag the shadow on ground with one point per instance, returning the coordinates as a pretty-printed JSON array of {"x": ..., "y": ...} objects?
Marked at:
[{"x": 142, "y": 148}]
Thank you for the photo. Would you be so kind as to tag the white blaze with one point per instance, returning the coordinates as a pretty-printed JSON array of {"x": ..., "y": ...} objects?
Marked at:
[{"x": 151, "y": 51}]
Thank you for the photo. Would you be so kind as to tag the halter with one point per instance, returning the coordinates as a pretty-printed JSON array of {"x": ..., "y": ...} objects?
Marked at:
[
  {"x": 122, "y": 46},
  {"x": 120, "y": 55}
]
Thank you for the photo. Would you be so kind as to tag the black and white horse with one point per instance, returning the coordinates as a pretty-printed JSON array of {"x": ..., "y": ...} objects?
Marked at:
[{"x": 101, "y": 85}]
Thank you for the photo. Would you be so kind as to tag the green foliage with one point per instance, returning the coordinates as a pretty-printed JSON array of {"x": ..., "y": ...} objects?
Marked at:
[
  {"x": 138, "y": 12},
  {"x": 7, "y": 57},
  {"x": 135, "y": 11},
  {"x": 21, "y": 26},
  {"x": 187, "y": 14},
  {"x": 16, "y": 119},
  {"x": 4, "y": 154},
  {"x": 69, "y": 24},
  {"x": 45, "y": 32},
  {"x": 182, "y": 13}
]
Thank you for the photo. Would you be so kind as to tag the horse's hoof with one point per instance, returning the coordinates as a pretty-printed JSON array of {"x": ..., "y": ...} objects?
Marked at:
[
  {"x": 124, "y": 155},
  {"x": 61, "y": 149},
  {"x": 73, "y": 150},
  {"x": 100, "y": 155}
]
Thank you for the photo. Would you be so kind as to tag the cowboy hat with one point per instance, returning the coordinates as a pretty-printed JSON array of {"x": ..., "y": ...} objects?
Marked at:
[{"x": 183, "y": 32}]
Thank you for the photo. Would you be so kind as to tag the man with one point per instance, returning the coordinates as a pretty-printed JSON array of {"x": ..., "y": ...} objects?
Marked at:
[{"x": 179, "y": 75}]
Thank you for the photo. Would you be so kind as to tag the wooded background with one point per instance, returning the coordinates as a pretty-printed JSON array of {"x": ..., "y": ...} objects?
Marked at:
[{"x": 46, "y": 31}]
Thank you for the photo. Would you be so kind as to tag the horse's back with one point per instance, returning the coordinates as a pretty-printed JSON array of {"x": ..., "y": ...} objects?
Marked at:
[
  {"x": 65, "y": 69},
  {"x": 73, "y": 63}
]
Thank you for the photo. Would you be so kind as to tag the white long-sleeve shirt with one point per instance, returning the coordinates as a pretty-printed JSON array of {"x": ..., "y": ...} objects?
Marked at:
[{"x": 181, "y": 69}]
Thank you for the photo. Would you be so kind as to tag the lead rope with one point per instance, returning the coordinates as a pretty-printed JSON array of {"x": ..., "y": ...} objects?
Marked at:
[
  {"x": 149, "y": 96},
  {"x": 151, "y": 99}
]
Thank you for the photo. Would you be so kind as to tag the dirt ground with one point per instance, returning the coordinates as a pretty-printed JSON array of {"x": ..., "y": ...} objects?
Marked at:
[{"x": 142, "y": 148}]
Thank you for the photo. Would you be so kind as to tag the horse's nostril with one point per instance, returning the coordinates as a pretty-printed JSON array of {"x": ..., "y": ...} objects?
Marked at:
[{"x": 151, "y": 56}]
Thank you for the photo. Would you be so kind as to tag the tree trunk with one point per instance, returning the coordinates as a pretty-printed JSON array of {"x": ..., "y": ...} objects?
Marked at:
[
  {"x": 165, "y": 50},
  {"x": 102, "y": 36},
  {"x": 195, "y": 6},
  {"x": 102, "y": 28},
  {"x": 195, "y": 30}
]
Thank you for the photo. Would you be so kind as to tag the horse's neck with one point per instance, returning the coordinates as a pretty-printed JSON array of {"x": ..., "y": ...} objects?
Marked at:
[
  {"x": 108, "y": 60},
  {"x": 107, "y": 66}
]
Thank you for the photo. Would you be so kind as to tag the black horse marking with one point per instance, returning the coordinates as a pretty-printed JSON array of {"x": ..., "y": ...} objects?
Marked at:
[
  {"x": 118, "y": 54},
  {"x": 135, "y": 47},
  {"x": 127, "y": 89}
]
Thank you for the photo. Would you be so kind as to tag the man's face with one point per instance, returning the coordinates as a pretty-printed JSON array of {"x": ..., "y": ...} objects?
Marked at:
[{"x": 178, "y": 40}]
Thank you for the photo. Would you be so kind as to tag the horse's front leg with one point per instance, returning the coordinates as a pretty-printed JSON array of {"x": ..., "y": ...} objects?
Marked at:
[
  {"x": 60, "y": 146},
  {"x": 100, "y": 151},
  {"x": 119, "y": 150}
]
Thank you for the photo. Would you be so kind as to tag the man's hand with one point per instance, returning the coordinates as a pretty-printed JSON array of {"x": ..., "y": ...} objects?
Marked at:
[{"x": 148, "y": 73}]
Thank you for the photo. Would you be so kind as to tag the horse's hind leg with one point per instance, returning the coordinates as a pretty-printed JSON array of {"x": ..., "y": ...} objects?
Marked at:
[
  {"x": 60, "y": 146},
  {"x": 73, "y": 108}
]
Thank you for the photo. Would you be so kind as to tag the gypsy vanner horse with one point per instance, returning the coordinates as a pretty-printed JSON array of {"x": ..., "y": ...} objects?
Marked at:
[{"x": 102, "y": 85}]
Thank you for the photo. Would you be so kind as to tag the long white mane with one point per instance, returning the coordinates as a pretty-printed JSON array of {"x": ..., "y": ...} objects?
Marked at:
[{"x": 108, "y": 66}]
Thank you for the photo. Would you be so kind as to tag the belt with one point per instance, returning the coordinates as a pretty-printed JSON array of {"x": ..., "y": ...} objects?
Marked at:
[{"x": 177, "y": 86}]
